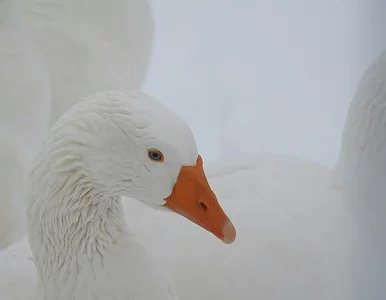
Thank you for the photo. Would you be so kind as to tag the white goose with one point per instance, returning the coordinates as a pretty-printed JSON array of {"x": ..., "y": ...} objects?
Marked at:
[
  {"x": 295, "y": 237},
  {"x": 54, "y": 53},
  {"x": 24, "y": 88},
  {"x": 90, "y": 46},
  {"x": 292, "y": 255},
  {"x": 110, "y": 145},
  {"x": 360, "y": 174}
]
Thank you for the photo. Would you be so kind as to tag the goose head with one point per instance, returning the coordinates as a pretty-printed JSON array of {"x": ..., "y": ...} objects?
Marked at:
[
  {"x": 110, "y": 145},
  {"x": 126, "y": 144}
]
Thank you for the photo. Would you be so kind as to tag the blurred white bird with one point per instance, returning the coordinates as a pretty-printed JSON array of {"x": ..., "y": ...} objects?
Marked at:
[
  {"x": 90, "y": 46},
  {"x": 360, "y": 175},
  {"x": 53, "y": 54},
  {"x": 25, "y": 109}
]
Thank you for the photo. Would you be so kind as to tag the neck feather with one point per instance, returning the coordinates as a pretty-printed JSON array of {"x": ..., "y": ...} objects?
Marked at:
[{"x": 72, "y": 226}]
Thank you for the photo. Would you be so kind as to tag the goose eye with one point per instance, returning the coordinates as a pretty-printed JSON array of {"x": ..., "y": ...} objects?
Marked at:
[{"x": 155, "y": 155}]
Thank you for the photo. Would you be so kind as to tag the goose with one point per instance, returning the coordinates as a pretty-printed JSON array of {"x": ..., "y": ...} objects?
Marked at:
[
  {"x": 90, "y": 46},
  {"x": 360, "y": 174},
  {"x": 71, "y": 52},
  {"x": 292, "y": 245},
  {"x": 21, "y": 131},
  {"x": 112, "y": 144},
  {"x": 296, "y": 220}
]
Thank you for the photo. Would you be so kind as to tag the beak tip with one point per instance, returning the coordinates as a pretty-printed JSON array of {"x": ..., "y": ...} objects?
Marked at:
[{"x": 229, "y": 233}]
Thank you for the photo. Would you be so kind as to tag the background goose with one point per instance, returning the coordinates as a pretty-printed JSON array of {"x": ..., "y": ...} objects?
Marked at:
[
  {"x": 20, "y": 130},
  {"x": 360, "y": 175},
  {"x": 53, "y": 54},
  {"x": 110, "y": 145},
  {"x": 294, "y": 234},
  {"x": 90, "y": 46}
]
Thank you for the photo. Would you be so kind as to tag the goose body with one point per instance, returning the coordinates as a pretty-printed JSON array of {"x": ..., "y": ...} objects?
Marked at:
[
  {"x": 295, "y": 235},
  {"x": 139, "y": 273},
  {"x": 360, "y": 174}
]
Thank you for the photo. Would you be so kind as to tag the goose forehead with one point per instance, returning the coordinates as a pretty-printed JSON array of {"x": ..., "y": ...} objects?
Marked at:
[
  {"x": 165, "y": 129},
  {"x": 177, "y": 138},
  {"x": 152, "y": 123}
]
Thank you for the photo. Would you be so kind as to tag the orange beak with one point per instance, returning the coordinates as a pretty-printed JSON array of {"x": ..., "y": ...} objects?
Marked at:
[{"x": 193, "y": 198}]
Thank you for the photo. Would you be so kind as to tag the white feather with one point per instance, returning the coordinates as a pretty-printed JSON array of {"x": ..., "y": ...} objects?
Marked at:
[{"x": 295, "y": 238}]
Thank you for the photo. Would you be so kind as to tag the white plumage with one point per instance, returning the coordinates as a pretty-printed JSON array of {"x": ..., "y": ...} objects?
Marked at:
[{"x": 296, "y": 237}]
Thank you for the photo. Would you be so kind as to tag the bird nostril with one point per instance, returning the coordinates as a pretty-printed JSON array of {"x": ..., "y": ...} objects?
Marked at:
[{"x": 202, "y": 206}]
